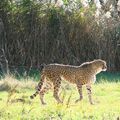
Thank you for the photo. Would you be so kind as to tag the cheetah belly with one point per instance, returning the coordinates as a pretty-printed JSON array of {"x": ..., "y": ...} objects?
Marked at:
[
  {"x": 70, "y": 78},
  {"x": 83, "y": 81}
]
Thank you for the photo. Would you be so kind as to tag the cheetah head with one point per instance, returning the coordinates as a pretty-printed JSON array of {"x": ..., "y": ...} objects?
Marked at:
[{"x": 99, "y": 65}]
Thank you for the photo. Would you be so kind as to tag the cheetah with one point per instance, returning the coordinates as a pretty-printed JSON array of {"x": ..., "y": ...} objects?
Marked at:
[{"x": 53, "y": 74}]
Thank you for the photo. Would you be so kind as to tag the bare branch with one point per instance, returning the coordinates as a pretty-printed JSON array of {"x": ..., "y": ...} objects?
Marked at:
[
  {"x": 106, "y": 6},
  {"x": 101, "y": 2}
]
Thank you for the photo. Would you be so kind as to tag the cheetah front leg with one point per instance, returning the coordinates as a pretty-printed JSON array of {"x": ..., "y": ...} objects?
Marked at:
[
  {"x": 88, "y": 87},
  {"x": 79, "y": 87},
  {"x": 56, "y": 90}
]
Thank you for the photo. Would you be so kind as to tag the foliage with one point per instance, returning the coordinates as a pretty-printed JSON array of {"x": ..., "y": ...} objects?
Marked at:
[{"x": 35, "y": 32}]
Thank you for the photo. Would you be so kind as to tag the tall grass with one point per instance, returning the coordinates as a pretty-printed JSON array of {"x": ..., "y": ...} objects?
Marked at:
[{"x": 9, "y": 82}]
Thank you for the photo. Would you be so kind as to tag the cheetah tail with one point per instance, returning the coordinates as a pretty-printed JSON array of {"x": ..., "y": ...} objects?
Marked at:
[
  {"x": 38, "y": 89},
  {"x": 34, "y": 95}
]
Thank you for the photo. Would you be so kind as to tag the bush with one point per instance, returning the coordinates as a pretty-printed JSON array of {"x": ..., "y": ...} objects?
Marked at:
[{"x": 36, "y": 32}]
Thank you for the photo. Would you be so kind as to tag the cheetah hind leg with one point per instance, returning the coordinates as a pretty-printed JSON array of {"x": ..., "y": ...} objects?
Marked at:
[{"x": 43, "y": 91}]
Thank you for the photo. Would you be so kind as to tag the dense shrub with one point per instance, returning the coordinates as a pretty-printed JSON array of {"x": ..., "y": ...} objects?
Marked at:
[{"x": 32, "y": 33}]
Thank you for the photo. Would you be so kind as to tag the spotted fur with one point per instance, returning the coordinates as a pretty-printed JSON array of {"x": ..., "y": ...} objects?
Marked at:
[{"x": 53, "y": 74}]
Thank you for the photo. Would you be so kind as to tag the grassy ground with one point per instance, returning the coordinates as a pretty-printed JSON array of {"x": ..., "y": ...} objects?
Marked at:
[{"x": 16, "y": 105}]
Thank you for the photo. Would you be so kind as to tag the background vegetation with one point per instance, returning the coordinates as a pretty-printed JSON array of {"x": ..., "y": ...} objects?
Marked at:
[
  {"x": 36, "y": 32},
  {"x": 33, "y": 32}
]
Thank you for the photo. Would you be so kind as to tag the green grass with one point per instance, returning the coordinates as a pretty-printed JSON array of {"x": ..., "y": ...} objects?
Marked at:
[
  {"x": 108, "y": 76},
  {"x": 16, "y": 105}
]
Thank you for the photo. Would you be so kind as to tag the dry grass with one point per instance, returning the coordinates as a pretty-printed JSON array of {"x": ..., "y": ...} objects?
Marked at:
[{"x": 9, "y": 82}]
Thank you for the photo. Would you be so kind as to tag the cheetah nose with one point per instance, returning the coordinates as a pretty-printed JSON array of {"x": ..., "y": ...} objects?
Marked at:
[{"x": 106, "y": 67}]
